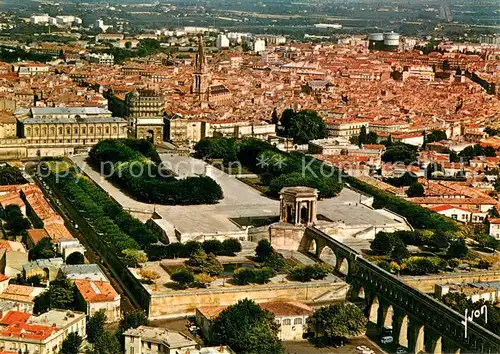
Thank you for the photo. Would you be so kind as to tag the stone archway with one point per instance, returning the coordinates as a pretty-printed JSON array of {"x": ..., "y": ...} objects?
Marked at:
[
  {"x": 361, "y": 293},
  {"x": 344, "y": 267},
  {"x": 403, "y": 332},
  {"x": 328, "y": 256},
  {"x": 388, "y": 315},
  {"x": 373, "y": 310},
  {"x": 150, "y": 135},
  {"x": 313, "y": 247}
]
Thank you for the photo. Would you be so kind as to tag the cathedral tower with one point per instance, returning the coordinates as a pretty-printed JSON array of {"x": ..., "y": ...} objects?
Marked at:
[{"x": 201, "y": 76}]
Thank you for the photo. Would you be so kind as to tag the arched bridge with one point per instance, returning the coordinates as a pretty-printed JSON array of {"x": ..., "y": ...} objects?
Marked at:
[{"x": 419, "y": 322}]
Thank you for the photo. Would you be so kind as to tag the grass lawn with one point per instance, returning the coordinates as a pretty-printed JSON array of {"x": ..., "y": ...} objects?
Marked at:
[{"x": 255, "y": 183}]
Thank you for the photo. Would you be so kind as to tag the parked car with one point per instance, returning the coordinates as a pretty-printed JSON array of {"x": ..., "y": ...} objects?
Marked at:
[
  {"x": 387, "y": 339},
  {"x": 401, "y": 350}
]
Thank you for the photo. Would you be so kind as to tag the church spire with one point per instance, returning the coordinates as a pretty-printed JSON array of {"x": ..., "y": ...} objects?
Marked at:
[{"x": 201, "y": 59}]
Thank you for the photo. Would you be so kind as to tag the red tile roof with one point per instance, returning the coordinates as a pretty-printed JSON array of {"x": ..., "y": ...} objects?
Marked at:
[
  {"x": 13, "y": 317},
  {"x": 96, "y": 291}
]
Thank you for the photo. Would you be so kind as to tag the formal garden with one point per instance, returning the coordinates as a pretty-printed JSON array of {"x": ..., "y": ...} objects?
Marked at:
[
  {"x": 432, "y": 252},
  {"x": 200, "y": 266},
  {"x": 135, "y": 166},
  {"x": 275, "y": 169}
]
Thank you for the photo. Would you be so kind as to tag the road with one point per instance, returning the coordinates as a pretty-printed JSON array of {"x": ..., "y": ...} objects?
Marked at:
[{"x": 71, "y": 218}]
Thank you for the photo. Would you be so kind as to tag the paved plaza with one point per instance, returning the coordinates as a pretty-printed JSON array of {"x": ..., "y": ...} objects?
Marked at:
[{"x": 240, "y": 200}]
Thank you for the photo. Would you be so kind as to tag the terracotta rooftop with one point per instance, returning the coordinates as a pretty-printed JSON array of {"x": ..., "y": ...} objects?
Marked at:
[
  {"x": 96, "y": 291},
  {"x": 36, "y": 235},
  {"x": 278, "y": 308},
  {"x": 58, "y": 232}
]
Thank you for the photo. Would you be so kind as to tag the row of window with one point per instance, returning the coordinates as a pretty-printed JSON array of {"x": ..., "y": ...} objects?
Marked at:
[
  {"x": 60, "y": 130},
  {"x": 288, "y": 321}
]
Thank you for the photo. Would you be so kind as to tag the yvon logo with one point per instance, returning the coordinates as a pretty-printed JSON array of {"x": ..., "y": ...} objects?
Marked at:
[{"x": 475, "y": 314}]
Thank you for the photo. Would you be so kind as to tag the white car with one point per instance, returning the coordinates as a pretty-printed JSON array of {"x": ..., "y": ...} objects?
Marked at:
[{"x": 387, "y": 339}]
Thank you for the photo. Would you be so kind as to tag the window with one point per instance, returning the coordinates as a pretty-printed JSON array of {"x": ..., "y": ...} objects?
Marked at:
[
  {"x": 287, "y": 322},
  {"x": 75, "y": 130},
  {"x": 131, "y": 350},
  {"x": 297, "y": 321},
  {"x": 52, "y": 130},
  {"x": 114, "y": 130},
  {"x": 84, "y": 131},
  {"x": 59, "y": 130},
  {"x": 28, "y": 131},
  {"x": 68, "y": 130},
  {"x": 36, "y": 131},
  {"x": 91, "y": 130},
  {"x": 107, "y": 130}
]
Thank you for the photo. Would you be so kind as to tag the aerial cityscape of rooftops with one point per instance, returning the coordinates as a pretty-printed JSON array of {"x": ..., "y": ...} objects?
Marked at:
[{"x": 249, "y": 177}]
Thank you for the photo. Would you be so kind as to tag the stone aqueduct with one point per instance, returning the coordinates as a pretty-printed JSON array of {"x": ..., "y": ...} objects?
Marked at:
[{"x": 419, "y": 322}]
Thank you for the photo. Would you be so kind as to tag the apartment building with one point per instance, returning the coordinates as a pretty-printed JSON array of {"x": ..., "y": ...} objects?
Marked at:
[
  {"x": 151, "y": 340},
  {"x": 21, "y": 332}
]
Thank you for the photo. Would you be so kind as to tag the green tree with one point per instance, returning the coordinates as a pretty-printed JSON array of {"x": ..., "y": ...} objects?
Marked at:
[
  {"x": 15, "y": 220},
  {"x": 435, "y": 135},
  {"x": 305, "y": 126},
  {"x": 72, "y": 344},
  {"x": 400, "y": 153},
  {"x": 106, "y": 343},
  {"x": 276, "y": 261},
  {"x": 487, "y": 242},
  {"x": 95, "y": 326},
  {"x": 75, "y": 258},
  {"x": 458, "y": 249},
  {"x": 247, "y": 329},
  {"x": 286, "y": 119},
  {"x": 362, "y": 138},
  {"x": 371, "y": 138},
  {"x": 131, "y": 319},
  {"x": 274, "y": 117},
  {"x": 212, "y": 246},
  {"x": 230, "y": 247},
  {"x": 245, "y": 276},
  {"x": 263, "y": 250},
  {"x": 382, "y": 244},
  {"x": 415, "y": 190},
  {"x": 399, "y": 251},
  {"x": 44, "y": 249},
  {"x": 59, "y": 295},
  {"x": 440, "y": 240},
  {"x": 11, "y": 175},
  {"x": 34, "y": 280},
  {"x": 305, "y": 273},
  {"x": 338, "y": 320},
  {"x": 183, "y": 277}
]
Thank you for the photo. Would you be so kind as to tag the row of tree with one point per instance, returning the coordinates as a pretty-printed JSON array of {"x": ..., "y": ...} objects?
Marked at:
[
  {"x": 128, "y": 165},
  {"x": 275, "y": 168},
  {"x": 227, "y": 247},
  {"x": 118, "y": 230}
]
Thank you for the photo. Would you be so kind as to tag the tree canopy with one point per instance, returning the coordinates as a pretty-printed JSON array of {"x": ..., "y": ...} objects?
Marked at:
[
  {"x": 247, "y": 329},
  {"x": 44, "y": 249},
  {"x": 338, "y": 320},
  {"x": 415, "y": 190},
  {"x": 72, "y": 344},
  {"x": 303, "y": 126},
  {"x": 11, "y": 175},
  {"x": 59, "y": 295},
  {"x": 400, "y": 153},
  {"x": 131, "y": 164}
]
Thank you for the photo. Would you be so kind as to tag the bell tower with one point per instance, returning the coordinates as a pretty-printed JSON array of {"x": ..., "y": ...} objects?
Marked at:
[{"x": 201, "y": 76}]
